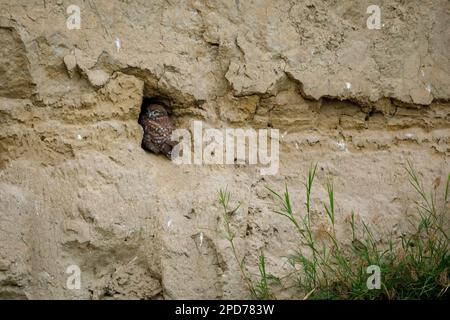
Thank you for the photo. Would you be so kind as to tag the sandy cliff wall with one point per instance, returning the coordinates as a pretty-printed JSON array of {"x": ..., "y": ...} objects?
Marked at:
[{"x": 76, "y": 187}]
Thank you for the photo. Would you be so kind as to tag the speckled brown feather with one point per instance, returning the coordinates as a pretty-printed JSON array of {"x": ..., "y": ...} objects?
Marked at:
[{"x": 157, "y": 130}]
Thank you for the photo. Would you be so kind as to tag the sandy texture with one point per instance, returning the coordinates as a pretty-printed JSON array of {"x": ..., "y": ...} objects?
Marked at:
[{"x": 76, "y": 187}]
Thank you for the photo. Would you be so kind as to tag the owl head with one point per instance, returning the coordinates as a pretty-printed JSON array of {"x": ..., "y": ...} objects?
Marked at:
[{"x": 154, "y": 111}]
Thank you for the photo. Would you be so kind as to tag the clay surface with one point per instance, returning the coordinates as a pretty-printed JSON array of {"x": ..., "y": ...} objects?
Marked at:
[{"x": 76, "y": 188}]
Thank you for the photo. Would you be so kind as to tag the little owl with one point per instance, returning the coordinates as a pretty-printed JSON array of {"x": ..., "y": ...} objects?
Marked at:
[{"x": 157, "y": 129}]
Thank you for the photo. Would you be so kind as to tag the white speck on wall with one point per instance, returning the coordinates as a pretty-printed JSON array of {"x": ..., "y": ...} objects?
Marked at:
[
  {"x": 117, "y": 43},
  {"x": 283, "y": 135},
  {"x": 132, "y": 260},
  {"x": 297, "y": 146},
  {"x": 348, "y": 85},
  {"x": 342, "y": 146},
  {"x": 409, "y": 136},
  {"x": 201, "y": 238},
  {"x": 312, "y": 51},
  {"x": 79, "y": 137},
  {"x": 428, "y": 88},
  {"x": 169, "y": 223},
  {"x": 422, "y": 72}
]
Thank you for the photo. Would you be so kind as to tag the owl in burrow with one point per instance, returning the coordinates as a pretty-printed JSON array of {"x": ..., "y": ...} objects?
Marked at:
[{"x": 158, "y": 129}]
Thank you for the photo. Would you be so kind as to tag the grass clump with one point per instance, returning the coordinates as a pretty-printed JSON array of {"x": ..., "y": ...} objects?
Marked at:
[
  {"x": 259, "y": 289},
  {"x": 415, "y": 266}
]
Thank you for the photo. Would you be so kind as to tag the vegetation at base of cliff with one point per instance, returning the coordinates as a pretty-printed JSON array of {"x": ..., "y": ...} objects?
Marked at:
[
  {"x": 413, "y": 266},
  {"x": 258, "y": 289}
]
